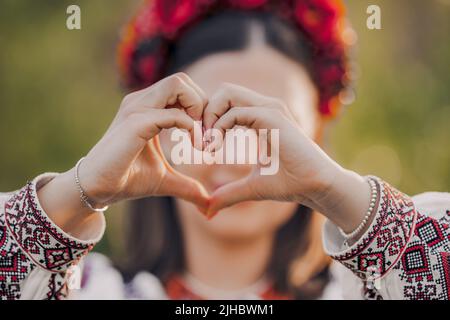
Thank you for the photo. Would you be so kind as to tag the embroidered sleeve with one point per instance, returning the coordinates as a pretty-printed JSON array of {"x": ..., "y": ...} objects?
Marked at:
[
  {"x": 34, "y": 252},
  {"x": 405, "y": 253}
]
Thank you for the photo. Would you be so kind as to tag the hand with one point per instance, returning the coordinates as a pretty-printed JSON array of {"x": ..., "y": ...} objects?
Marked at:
[
  {"x": 128, "y": 163},
  {"x": 306, "y": 173}
]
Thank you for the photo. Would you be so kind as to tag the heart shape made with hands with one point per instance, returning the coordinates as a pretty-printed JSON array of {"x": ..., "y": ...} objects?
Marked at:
[{"x": 231, "y": 106}]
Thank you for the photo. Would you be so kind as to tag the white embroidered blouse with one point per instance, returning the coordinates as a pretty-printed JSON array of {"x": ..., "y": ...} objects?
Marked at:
[{"x": 404, "y": 254}]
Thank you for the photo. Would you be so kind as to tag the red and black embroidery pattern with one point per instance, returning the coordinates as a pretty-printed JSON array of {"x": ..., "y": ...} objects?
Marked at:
[
  {"x": 40, "y": 238},
  {"x": 57, "y": 287},
  {"x": 14, "y": 265},
  {"x": 412, "y": 246},
  {"x": 424, "y": 267},
  {"x": 29, "y": 239},
  {"x": 386, "y": 239},
  {"x": 416, "y": 247}
]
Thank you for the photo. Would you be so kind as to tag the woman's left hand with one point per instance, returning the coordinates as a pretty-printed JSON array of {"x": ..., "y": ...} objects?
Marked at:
[{"x": 306, "y": 173}]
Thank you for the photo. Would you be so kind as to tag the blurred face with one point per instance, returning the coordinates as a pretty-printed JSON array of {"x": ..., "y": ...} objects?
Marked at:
[{"x": 270, "y": 73}]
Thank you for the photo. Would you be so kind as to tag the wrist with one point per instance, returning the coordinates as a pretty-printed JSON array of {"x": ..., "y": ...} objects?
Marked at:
[
  {"x": 60, "y": 200},
  {"x": 88, "y": 197},
  {"x": 322, "y": 184},
  {"x": 344, "y": 198}
]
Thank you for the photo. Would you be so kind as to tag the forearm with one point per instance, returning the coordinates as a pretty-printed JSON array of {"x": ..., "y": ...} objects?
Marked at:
[
  {"x": 404, "y": 249},
  {"x": 61, "y": 201},
  {"x": 37, "y": 248},
  {"x": 346, "y": 200}
]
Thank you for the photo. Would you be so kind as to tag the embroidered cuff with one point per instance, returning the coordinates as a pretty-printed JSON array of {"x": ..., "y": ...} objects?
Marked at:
[
  {"x": 43, "y": 241},
  {"x": 378, "y": 250}
]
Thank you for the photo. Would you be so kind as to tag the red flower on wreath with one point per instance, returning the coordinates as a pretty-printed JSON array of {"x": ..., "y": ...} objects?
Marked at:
[
  {"x": 319, "y": 18},
  {"x": 174, "y": 14},
  {"x": 142, "y": 51},
  {"x": 247, "y": 4},
  {"x": 330, "y": 74},
  {"x": 145, "y": 24},
  {"x": 148, "y": 68}
]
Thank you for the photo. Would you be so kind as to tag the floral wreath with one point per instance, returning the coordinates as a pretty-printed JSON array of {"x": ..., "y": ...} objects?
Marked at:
[{"x": 142, "y": 52}]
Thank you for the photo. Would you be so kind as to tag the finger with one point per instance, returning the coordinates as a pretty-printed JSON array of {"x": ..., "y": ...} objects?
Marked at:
[
  {"x": 156, "y": 146},
  {"x": 134, "y": 133},
  {"x": 175, "y": 91},
  {"x": 178, "y": 185},
  {"x": 125, "y": 142},
  {"x": 194, "y": 191},
  {"x": 151, "y": 122},
  {"x": 155, "y": 142},
  {"x": 253, "y": 118},
  {"x": 229, "y": 195},
  {"x": 172, "y": 91},
  {"x": 230, "y": 96},
  {"x": 195, "y": 86}
]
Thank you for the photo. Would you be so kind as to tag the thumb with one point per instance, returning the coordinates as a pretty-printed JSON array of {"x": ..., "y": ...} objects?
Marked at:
[
  {"x": 181, "y": 186},
  {"x": 230, "y": 194}
]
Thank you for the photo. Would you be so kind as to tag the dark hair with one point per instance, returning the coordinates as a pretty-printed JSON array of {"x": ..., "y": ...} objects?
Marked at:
[
  {"x": 230, "y": 31},
  {"x": 298, "y": 265}
]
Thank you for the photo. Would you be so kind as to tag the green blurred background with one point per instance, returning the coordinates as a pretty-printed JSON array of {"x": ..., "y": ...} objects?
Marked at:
[{"x": 59, "y": 90}]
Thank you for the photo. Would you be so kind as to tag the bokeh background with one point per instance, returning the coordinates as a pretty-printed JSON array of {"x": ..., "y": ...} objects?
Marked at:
[{"x": 59, "y": 90}]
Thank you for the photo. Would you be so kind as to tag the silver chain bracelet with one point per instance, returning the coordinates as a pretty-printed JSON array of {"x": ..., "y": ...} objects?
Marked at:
[
  {"x": 84, "y": 198},
  {"x": 373, "y": 199}
]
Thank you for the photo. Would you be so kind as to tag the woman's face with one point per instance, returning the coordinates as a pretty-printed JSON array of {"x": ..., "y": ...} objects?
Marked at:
[{"x": 270, "y": 73}]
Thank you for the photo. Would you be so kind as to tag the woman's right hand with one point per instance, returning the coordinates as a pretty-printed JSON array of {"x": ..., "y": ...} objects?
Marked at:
[{"x": 127, "y": 162}]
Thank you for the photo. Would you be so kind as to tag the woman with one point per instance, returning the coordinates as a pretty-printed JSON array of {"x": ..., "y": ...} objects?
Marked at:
[{"x": 255, "y": 64}]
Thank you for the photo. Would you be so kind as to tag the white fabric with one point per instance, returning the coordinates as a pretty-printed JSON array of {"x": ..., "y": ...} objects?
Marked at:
[{"x": 104, "y": 282}]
